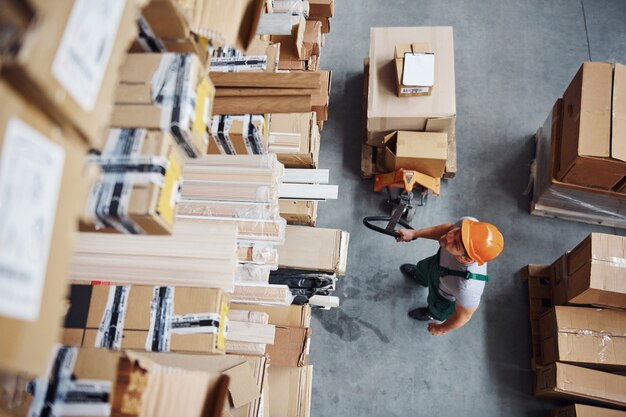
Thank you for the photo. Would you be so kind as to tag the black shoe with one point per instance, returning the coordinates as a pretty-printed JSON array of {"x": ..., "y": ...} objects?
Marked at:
[
  {"x": 408, "y": 270},
  {"x": 421, "y": 314}
]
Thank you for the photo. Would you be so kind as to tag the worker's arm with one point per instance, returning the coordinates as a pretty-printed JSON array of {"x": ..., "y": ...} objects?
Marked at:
[
  {"x": 461, "y": 316},
  {"x": 434, "y": 232}
]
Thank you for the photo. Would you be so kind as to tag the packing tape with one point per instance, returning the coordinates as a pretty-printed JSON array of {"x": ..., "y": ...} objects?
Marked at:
[
  {"x": 171, "y": 191},
  {"x": 111, "y": 328},
  {"x": 59, "y": 394},
  {"x": 201, "y": 323},
  {"x": 147, "y": 39},
  {"x": 219, "y": 131},
  {"x": 161, "y": 311},
  {"x": 173, "y": 92}
]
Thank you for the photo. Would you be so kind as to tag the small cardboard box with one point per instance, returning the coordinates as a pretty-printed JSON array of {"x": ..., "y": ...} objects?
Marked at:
[
  {"x": 562, "y": 381},
  {"x": 596, "y": 274},
  {"x": 150, "y": 96},
  {"x": 187, "y": 310},
  {"x": 150, "y": 205},
  {"x": 424, "y": 70},
  {"x": 68, "y": 62},
  {"x": 43, "y": 189},
  {"x": 425, "y": 152},
  {"x": 593, "y": 141},
  {"x": 298, "y": 211},
  {"x": 594, "y": 337}
]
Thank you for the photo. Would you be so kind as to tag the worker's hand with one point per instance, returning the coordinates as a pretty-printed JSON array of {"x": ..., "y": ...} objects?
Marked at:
[
  {"x": 436, "y": 329},
  {"x": 406, "y": 235}
]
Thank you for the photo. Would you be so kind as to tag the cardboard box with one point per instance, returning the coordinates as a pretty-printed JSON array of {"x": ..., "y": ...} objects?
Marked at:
[
  {"x": 301, "y": 130},
  {"x": 48, "y": 164},
  {"x": 596, "y": 272},
  {"x": 314, "y": 249},
  {"x": 127, "y": 198},
  {"x": 292, "y": 45},
  {"x": 57, "y": 66},
  {"x": 291, "y": 346},
  {"x": 192, "y": 319},
  {"x": 424, "y": 152},
  {"x": 103, "y": 382},
  {"x": 581, "y": 410},
  {"x": 593, "y": 337},
  {"x": 228, "y": 22},
  {"x": 593, "y": 151},
  {"x": 425, "y": 70},
  {"x": 298, "y": 212},
  {"x": 147, "y": 97},
  {"x": 290, "y": 391},
  {"x": 386, "y": 111},
  {"x": 568, "y": 382},
  {"x": 321, "y": 8}
]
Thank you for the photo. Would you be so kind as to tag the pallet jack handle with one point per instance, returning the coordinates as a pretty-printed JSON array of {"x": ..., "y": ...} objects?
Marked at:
[{"x": 393, "y": 220}]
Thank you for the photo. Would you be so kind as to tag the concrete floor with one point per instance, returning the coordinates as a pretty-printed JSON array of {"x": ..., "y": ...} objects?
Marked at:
[{"x": 513, "y": 59}]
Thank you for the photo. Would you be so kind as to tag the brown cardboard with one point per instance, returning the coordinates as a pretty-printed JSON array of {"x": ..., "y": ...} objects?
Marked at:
[
  {"x": 321, "y": 8},
  {"x": 292, "y": 45},
  {"x": 618, "y": 116},
  {"x": 424, "y": 152},
  {"x": 18, "y": 353},
  {"x": 590, "y": 336},
  {"x": 15, "y": 20},
  {"x": 291, "y": 346},
  {"x": 32, "y": 69},
  {"x": 137, "y": 321},
  {"x": 581, "y": 410},
  {"x": 568, "y": 382},
  {"x": 596, "y": 273},
  {"x": 134, "y": 105},
  {"x": 166, "y": 19},
  {"x": 246, "y": 389},
  {"x": 314, "y": 249},
  {"x": 298, "y": 212},
  {"x": 290, "y": 316},
  {"x": 386, "y": 111},
  {"x": 288, "y": 391},
  {"x": 403, "y": 90},
  {"x": 588, "y": 155}
]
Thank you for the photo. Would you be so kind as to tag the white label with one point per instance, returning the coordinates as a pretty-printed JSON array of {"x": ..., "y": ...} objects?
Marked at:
[
  {"x": 85, "y": 49},
  {"x": 31, "y": 168},
  {"x": 419, "y": 69}
]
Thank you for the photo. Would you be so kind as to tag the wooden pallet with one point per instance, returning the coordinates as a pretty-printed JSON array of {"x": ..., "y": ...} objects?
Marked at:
[
  {"x": 370, "y": 155},
  {"x": 540, "y": 299}
]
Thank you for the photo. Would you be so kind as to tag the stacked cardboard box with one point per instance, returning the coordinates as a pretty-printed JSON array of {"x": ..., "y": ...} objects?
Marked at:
[
  {"x": 387, "y": 112},
  {"x": 578, "y": 164},
  {"x": 157, "y": 319},
  {"x": 101, "y": 382}
]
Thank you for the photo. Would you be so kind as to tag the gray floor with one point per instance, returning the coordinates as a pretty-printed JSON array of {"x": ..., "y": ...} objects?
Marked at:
[{"x": 513, "y": 59}]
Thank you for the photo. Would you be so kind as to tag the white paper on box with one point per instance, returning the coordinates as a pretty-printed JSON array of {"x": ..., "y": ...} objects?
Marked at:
[
  {"x": 419, "y": 69},
  {"x": 31, "y": 168},
  {"x": 85, "y": 49}
]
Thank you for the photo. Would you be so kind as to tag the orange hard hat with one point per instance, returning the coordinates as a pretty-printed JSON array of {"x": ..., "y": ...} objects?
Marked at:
[{"x": 483, "y": 241}]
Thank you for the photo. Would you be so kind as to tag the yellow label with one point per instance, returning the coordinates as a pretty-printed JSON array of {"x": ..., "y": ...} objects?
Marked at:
[
  {"x": 204, "y": 106},
  {"x": 221, "y": 333},
  {"x": 169, "y": 192}
]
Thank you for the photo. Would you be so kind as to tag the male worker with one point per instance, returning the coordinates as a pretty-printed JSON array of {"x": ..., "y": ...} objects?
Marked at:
[{"x": 456, "y": 275}]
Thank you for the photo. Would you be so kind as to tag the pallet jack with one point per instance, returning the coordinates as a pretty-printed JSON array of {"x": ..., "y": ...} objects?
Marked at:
[{"x": 412, "y": 183}]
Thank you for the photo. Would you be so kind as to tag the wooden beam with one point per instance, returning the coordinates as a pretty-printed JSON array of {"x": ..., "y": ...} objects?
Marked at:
[
  {"x": 255, "y": 92},
  {"x": 308, "y": 192},
  {"x": 306, "y": 176},
  {"x": 269, "y": 104},
  {"x": 240, "y": 331},
  {"x": 306, "y": 79}
]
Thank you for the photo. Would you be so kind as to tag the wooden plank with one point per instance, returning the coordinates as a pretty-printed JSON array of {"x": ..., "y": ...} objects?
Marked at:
[
  {"x": 255, "y": 92},
  {"x": 255, "y": 105},
  {"x": 306, "y": 79},
  {"x": 308, "y": 192},
  {"x": 561, "y": 214},
  {"x": 306, "y": 176},
  {"x": 450, "y": 171}
]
